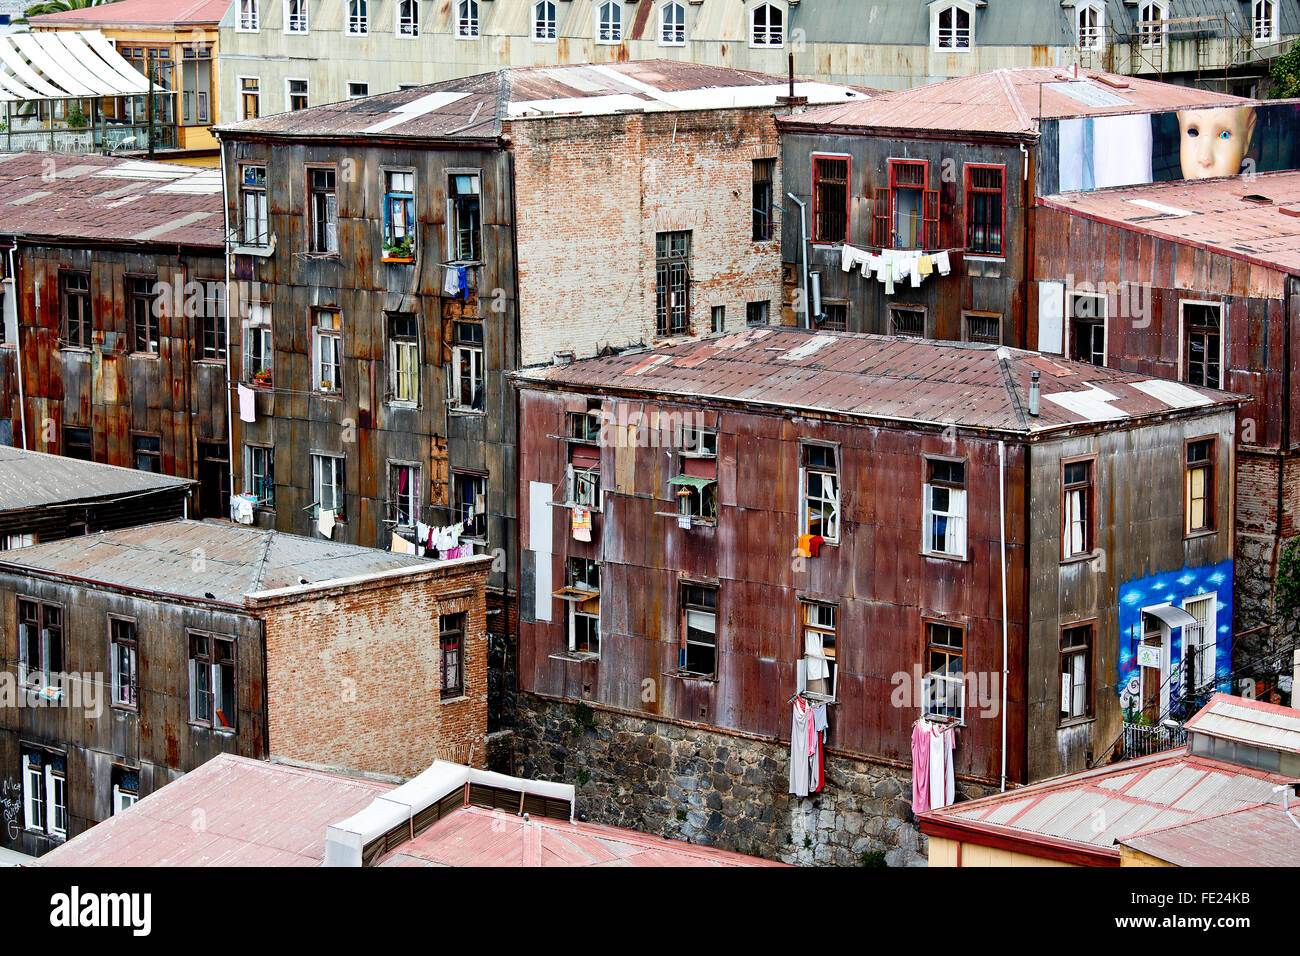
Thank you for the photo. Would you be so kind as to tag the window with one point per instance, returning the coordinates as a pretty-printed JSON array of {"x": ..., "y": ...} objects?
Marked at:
[
  {"x": 327, "y": 483},
  {"x": 1091, "y": 23},
  {"x": 77, "y": 443},
  {"x": 78, "y": 319},
  {"x": 584, "y": 426},
  {"x": 1199, "y": 484},
  {"x": 146, "y": 452},
  {"x": 698, "y": 652},
  {"x": 1151, "y": 26},
  {"x": 144, "y": 319},
  {"x": 467, "y": 20},
  {"x": 835, "y": 317},
  {"x": 323, "y": 211},
  {"x": 469, "y": 503},
  {"x": 327, "y": 350},
  {"x": 984, "y": 210},
  {"x": 766, "y": 26},
  {"x": 11, "y": 542},
  {"x": 260, "y": 472},
  {"x": 40, "y": 643},
  {"x": 248, "y": 15},
  {"x": 582, "y": 593},
  {"x": 126, "y": 788},
  {"x": 944, "y": 686},
  {"x": 544, "y": 20},
  {"x": 295, "y": 16},
  {"x": 123, "y": 649},
  {"x": 1263, "y": 18},
  {"x": 451, "y": 645},
  {"x": 257, "y": 345},
  {"x": 906, "y": 321},
  {"x": 403, "y": 494},
  {"x": 1087, "y": 314},
  {"x": 696, "y": 484},
  {"x": 212, "y": 681},
  {"x": 756, "y": 313},
  {"x": 762, "y": 199},
  {"x": 399, "y": 214},
  {"x": 45, "y": 792},
  {"x": 944, "y": 502},
  {"x": 358, "y": 90},
  {"x": 1076, "y": 673},
  {"x": 296, "y": 97},
  {"x": 830, "y": 199},
  {"x": 1200, "y": 641},
  {"x": 672, "y": 25},
  {"x": 467, "y": 367},
  {"x": 250, "y": 97},
  {"x": 358, "y": 18},
  {"x": 404, "y": 358},
  {"x": 718, "y": 319},
  {"x": 952, "y": 28},
  {"x": 1202, "y": 344},
  {"x": 583, "y": 474},
  {"x": 252, "y": 204},
  {"x": 609, "y": 23},
  {"x": 408, "y": 18},
  {"x": 463, "y": 198},
  {"x": 672, "y": 283},
  {"x": 906, "y": 213},
  {"x": 212, "y": 323},
  {"x": 983, "y": 327},
  {"x": 819, "y": 480},
  {"x": 817, "y": 643},
  {"x": 1077, "y": 503}
]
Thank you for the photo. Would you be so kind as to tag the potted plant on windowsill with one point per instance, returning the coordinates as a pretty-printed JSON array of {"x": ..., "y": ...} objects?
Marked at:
[
  {"x": 399, "y": 250},
  {"x": 262, "y": 377}
]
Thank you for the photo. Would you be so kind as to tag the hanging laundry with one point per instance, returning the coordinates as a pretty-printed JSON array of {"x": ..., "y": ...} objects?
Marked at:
[
  {"x": 800, "y": 731},
  {"x": 241, "y": 508},
  {"x": 925, "y": 265},
  {"x": 941, "y": 778},
  {"x": 941, "y": 262},
  {"x": 819, "y": 728},
  {"x": 914, "y": 270},
  {"x": 581, "y": 523},
  {"x": 400, "y": 545},
  {"x": 920, "y": 767},
  {"x": 325, "y": 522},
  {"x": 803, "y": 549},
  {"x": 451, "y": 282},
  {"x": 462, "y": 279},
  {"x": 815, "y": 662},
  {"x": 247, "y": 404}
]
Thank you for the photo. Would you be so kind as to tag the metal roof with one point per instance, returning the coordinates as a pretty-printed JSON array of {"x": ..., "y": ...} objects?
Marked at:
[
  {"x": 65, "y": 64},
  {"x": 120, "y": 13},
  {"x": 86, "y": 196},
  {"x": 476, "y": 107},
  {"x": 904, "y": 380},
  {"x": 1213, "y": 214},
  {"x": 1260, "y": 835},
  {"x": 1007, "y": 101},
  {"x": 1252, "y": 722},
  {"x": 33, "y": 479},
  {"x": 237, "y": 560}
]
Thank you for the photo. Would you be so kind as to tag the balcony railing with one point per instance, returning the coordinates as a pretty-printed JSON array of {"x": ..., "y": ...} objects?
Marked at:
[{"x": 1139, "y": 740}]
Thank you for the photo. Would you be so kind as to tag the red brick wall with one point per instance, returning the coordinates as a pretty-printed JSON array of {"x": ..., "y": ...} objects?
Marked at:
[
  {"x": 1257, "y": 492},
  {"x": 353, "y": 671}
]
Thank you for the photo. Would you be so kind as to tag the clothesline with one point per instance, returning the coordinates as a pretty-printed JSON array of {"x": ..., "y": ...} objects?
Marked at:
[{"x": 894, "y": 265}]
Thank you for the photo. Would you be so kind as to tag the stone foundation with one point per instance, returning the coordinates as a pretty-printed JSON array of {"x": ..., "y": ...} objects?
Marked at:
[{"x": 719, "y": 790}]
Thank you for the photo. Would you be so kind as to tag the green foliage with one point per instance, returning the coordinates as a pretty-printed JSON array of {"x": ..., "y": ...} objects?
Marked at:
[
  {"x": 58, "y": 6},
  {"x": 1286, "y": 74},
  {"x": 585, "y": 716},
  {"x": 583, "y": 776},
  {"x": 681, "y": 814},
  {"x": 874, "y": 858},
  {"x": 76, "y": 118},
  {"x": 1287, "y": 593},
  {"x": 807, "y": 842}
]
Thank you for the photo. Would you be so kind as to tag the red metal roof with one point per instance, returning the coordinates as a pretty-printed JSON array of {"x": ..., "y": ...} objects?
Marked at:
[
  {"x": 1253, "y": 836},
  {"x": 1213, "y": 214},
  {"x": 473, "y": 836},
  {"x": 164, "y": 13},
  {"x": 1008, "y": 101}
]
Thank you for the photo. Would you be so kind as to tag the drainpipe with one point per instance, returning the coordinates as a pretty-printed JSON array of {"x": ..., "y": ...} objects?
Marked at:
[
  {"x": 18, "y": 340},
  {"x": 803, "y": 246},
  {"x": 1002, "y": 526},
  {"x": 225, "y": 254}
]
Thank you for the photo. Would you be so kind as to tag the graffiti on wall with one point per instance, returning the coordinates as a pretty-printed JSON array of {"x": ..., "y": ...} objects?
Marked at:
[{"x": 11, "y": 807}]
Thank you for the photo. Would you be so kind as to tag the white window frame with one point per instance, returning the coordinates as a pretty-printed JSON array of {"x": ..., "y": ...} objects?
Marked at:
[
  {"x": 956, "y": 531},
  {"x": 245, "y": 24},
  {"x": 45, "y": 796},
  {"x": 288, "y": 92},
  {"x": 1092, "y": 37},
  {"x": 412, "y": 22},
  {"x": 467, "y": 20},
  {"x": 936, "y": 41},
  {"x": 261, "y": 217},
  {"x": 805, "y": 662},
  {"x": 573, "y": 477},
  {"x": 251, "y": 473},
  {"x": 333, "y": 471},
  {"x": 1070, "y": 297},
  {"x": 114, "y": 667},
  {"x": 304, "y": 25},
  {"x": 124, "y": 799},
  {"x": 239, "y": 80},
  {"x": 766, "y": 42},
  {"x": 357, "y": 96},
  {"x": 663, "y": 26},
  {"x": 361, "y": 19},
  {"x": 413, "y": 486},
  {"x": 541, "y": 25},
  {"x": 615, "y": 23},
  {"x": 1270, "y": 21},
  {"x": 1182, "y": 340},
  {"x": 1209, "y": 637},
  {"x": 323, "y": 363},
  {"x": 258, "y": 325},
  {"x": 835, "y": 499},
  {"x": 477, "y": 363},
  {"x": 1145, "y": 32},
  {"x": 396, "y": 346}
]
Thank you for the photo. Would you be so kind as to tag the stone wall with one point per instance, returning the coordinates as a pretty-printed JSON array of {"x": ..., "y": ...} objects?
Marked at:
[{"x": 718, "y": 789}]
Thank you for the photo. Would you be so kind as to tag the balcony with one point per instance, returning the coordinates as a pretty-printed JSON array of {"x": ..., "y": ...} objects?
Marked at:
[{"x": 1139, "y": 740}]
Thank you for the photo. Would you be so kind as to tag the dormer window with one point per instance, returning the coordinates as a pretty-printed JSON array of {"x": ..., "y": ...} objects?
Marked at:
[
  {"x": 1263, "y": 18},
  {"x": 1151, "y": 24},
  {"x": 1090, "y": 19},
  {"x": 953, "y": 26},
  {"x": 766, "y": 25},
  {"x": 609, "y": 23},
  {"x": 672, "y": 24}
]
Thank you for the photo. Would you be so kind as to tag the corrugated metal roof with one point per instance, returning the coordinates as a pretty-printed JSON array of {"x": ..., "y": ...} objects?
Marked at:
[
  {"x": 89, "y": 196},
  {"x": 167, "y": 13},
  {"x": 881, "y": 377},
  {"x": 1260, "y": 835},
  {"x": 33, "y": 479},
  {"x": 236, "y": 560},
  {"x": 1210, "y": 213},
  {"x": 1252, "y": 722}
]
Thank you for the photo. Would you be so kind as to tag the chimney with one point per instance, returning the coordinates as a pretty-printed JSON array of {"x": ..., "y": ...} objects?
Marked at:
[{"x": 1033, "y": 394}]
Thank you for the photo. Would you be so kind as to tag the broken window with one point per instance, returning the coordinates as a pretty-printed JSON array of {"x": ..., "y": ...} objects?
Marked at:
[
  {"x": 408, "y": 18},
  {"x": 696, "y": 483},
  {"x": 467, "y": 20},
  {"x": 830, "y": 214},
  {"x": 467, "y": 366},
  {"x": 983, "y": 327},
  {"x": 984, "y": 210},
  {"x": 404, "y": 358},
  {"x": 469, "y": 503},
  {"x": 358, "y": 17},
  {"x": 944, "y": 499},
  {"x": 295, "y": 16},
  {"x": 252, "y": 204},
  {"x": 766, "y": 26},
  {"x": 45, "y": 792},
  {"x": 327, "y": 484},
  {"x": 77, "y": 443},
  {"x": 126, "y": 788},
  {"x": 906, "y": 214},
  {"x": 944, "y": 687},
  {"x": 953, "y": 28},
  {"x": 451, "y": 647},
  {"x": 403, "y": 494},
  {"x": 122, "y": 641},
  {"x": 762, "y": 198},
  {"x": 819, "y": 481},
  {"x": 1202, "y": 344},
  {"x": 698, "y": 651},
  {"x": 672, "y": 283},
  {"x": 297, "y": 95},
  {"x": 146, "y": 452},
  {"x": 582, "y": 591},
  {"x": 212, "y": 681},
  {"x": 40, "y": 643},
  {"x": 544, "y": 20},
  {"x": 140, "y": 306},
  {"x": 78, "y": 319},
  {"x": 463, "y": 199},
  {"x": 399, "y": 214},
  {"x": 323, "y": 212},
  {"x": 327, "y": 350},
  {"x": 260, "y": 483},
  {"x": 1199, "y": 485},
  {"x": 1087, "y": 314},
  {"x": 672, "y": 24},
  {"x": 835, "y": 317},
  {"x": 609, "y": 23},
  {"x": 906, "y": 321},
  {"x": 583, "y": 476},
  {"x": 1076, "y": 673},
  {"x": 1077, "y": 528},
  {"x": 817, "y": 645}
]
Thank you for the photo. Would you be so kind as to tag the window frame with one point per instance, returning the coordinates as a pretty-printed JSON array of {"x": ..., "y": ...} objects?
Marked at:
[
  {"x": 1092, "y": 37},
  {"x": 541, "y": 25},
  {"x": 760, "y": 309},
  {"x": 928, "y": 512},
  {"x": 289, "y": 95},
  {"x": 607, "y": 32},
  {"x": 582, "y": 582},
  {"x": 245, "y": 23},
  {"x": 685, "y": 608},
  {"x": 455, "y": 231},
  {"x": 265, "y": 477},
  {"x": 471, "y": 352},
  {"x": 967, "y": 336},
  {"x": 765, "y": 43},
  {"x": 1185, "y": 333},
  {"x": 337, "y": 484},
  {"x": 451, "y": 628},
  {"x": 937, "y": 12},
  {"x": 89, "y": 444},
  {"x": 1210, "y": 490},
  {"x": 85, "y": 321},
  {"x": 820, "y": 236},
  {"x": 949, "y": 652},
  {"x": 258, "y": 329},
  {"x": 362, "y": 93},
  {"x": 245, "y": 93},
  {"x": 320, "y": 363},
  {"x": 45, "y": 644},
  {"x": 302, "y": 18},
  {"x": 1146, "y": 26},
  {"x": 411, "y": 21},
  {"x": 257, "y": 193},
  {"x": 1072, "y": 318},
  {"x": 762, "y": 195},
  {"x": 466, "y": 16},
  {"x": 212, "y": 322},
  {"x": 672, "y": 278},
  {"x": 1090, "y": 501},
  {"x": 804, "y": 605},
  {"x": 214, "y": 665},
  {"x": 970, "y": 192},
  {"x": 124, "y": 799},
  {"x": 399, "y": 199},
  {"x": 1064, "y": 715},
  {"x": 1272, "y": 20},
  {"x": 679, "y": 28},
  {"x": 476, "y": 527},
  {"x": 413, "y": 494},
  {"x": 805, "y": 522},
  {"x": 136, "y": 298},
  {"x": 50, "y": 784},
  {"x": 884, "y": 213},
  {"x": 137, "y": 452},
  {"x": 318, "y": 242},
  {"x": 131, "y": 643},
  {"x": 361, "y": 18},
  {"x": 397, "y": 346}
]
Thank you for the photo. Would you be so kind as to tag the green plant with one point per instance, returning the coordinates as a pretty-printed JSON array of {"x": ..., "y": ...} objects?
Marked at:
[
  {"x": 403, "y": 248},
  {"x": 585, "y": 716},
  {"x": 681, "y": 814},
  {"x": 1285, "y": 74},
  {"x": 874, "y": 858},
  {"x": 76, "y": 118},
  {"x": 1286, "y": 595},
  {"x": 807, "y": 842},
  {"x": 583, "y": 776}
]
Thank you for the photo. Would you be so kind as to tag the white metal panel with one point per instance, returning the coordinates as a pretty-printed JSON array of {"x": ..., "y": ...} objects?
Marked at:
[
  {"x": 17, "y": 63},
  {"x": 134, "y": 80},
  {"x": 50, "y": 67},
  {"x": 80, "y": 62},
  {"x": 539, "y": 542}
]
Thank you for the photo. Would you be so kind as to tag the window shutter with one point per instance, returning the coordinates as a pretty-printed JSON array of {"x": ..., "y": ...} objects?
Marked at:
[
  {"x": 956, "y": 543},
  {"x": 880, "y": 237},
  {"x": 927, "y": 518},
  {"x": 30, "y": 794},
  {"x": 449, "y": 383},
  {"x": 801, "y": 674},
  {"x": 931, "y": 216}
]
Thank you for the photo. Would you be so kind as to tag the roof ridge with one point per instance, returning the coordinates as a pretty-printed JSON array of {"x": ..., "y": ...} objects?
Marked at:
[{"x": 1017, "y": 107}]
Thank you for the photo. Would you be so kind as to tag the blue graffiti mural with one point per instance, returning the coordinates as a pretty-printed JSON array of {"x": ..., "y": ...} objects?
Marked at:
[{"x": 1172, "y": 587}]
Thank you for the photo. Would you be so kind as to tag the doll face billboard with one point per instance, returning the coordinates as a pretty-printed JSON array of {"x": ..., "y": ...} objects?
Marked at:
[{"x": 1214, "y": 142}]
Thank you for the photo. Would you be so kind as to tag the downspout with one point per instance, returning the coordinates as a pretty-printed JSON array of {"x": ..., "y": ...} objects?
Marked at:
[
  {"x": 803, "y": 247},
  {"x": 225, "y": 254},
  {"x": 18, "y": 342},
  {"x": 1002, "y": 536}
]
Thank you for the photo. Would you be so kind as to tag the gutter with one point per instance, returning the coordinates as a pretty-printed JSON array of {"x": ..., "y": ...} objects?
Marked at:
[
  {"x": 225, "y": 256},
  {"x": 1017, "y": 841}
]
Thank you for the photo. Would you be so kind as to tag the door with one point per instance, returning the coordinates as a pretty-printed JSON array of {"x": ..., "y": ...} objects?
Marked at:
[
  {"x": 1152, "y": 662},
  {"x": 214, "y": 480},
  {"x": 1199, "y": 642}
]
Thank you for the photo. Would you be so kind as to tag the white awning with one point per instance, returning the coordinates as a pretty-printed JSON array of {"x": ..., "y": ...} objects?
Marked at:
[
  {"x": 1173, "y": 616},
  {"x": 66, "y": 65}
]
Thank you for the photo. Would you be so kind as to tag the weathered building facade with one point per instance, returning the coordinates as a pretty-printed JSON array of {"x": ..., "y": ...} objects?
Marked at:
[
  {"x": 664, "y": 652},
  {"x": 133, "y": 656}
]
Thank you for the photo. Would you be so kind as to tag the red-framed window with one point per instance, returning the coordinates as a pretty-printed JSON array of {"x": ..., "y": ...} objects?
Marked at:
[
  {"x": 830, "y": 198},
  {"x": 985, "y": 208},
  {"x": 906, "y": 212}
]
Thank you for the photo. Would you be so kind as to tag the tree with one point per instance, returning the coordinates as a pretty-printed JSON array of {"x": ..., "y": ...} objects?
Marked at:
[
  {"x": 58, "y": 6},
  {"x": 1286, "y": 75},
  {"x": 1287, "y": 592}
]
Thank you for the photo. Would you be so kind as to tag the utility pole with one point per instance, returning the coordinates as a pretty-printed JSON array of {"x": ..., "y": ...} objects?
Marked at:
[{"x": 148, "y": 106}]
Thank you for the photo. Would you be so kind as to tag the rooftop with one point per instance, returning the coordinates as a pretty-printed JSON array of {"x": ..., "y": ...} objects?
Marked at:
[
  {"x": 1255, "y": 219},
  {"x": 237, "y": 560},
  {"x": 86, "y": 196},
  {"x": 67, "y": 64},
  {"x": 1255, "y": 723},
  {"x": 476, "y": 107},
  {"x": 161, "y": 13},
  {"x": 33, "y": 479},
  {"x": 1007, "y": 101},
  {"x": 903, "y": 380}
]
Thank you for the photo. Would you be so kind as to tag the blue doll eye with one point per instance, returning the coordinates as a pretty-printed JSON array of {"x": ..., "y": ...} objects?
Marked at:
[{"x": 1226, "y": 134}]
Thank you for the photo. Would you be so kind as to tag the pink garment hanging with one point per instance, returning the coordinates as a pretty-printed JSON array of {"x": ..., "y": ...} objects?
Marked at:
[{"x": 920, "y": 767}]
